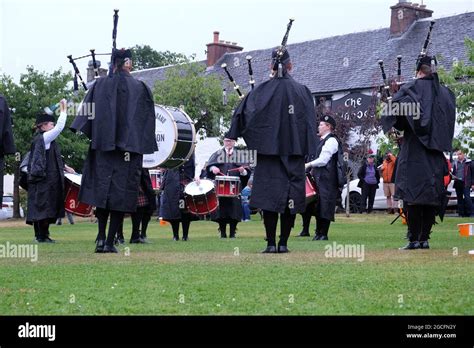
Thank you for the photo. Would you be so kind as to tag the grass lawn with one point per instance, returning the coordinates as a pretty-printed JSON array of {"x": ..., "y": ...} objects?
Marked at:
[{"x": 208, "y": 275}]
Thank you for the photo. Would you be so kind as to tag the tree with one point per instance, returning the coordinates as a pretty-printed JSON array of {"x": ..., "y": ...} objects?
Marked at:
[
  {"x": 201, "y": 96},
  {"x": 34, "y": 91},
  {"x": 460, "y": 81},
  {"x": 145, "y": 57}
]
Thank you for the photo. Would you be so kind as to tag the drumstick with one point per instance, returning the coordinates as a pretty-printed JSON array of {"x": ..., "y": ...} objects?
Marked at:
[{"x": 231, "y": 170}]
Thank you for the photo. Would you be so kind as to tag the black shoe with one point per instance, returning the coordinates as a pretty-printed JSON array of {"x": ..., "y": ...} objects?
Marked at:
[
  {"x": 144, "y": 240},
  {"x": 232, "y": 236},
  {"x": 303, "y": 234},
  {"x": 424, "y": 245},
  {"x": 282, "y": 249},
  {"x": 223, "y": 236},
  {"x": 110, "y": 249},
  {"x": 136, "y": 241},
  {"x": 40, "y": 240},
  {"x": 99, "y": 247},
  {"x": 175, "y": 238},
  {"x": 271, "y": 249},
  {"x": 49, "y": 240},
  {"x": 184, "y": 239},
  {"x": 411, "y": 246},
  {"x": 323, "y": 237},
  {"x": 317, "y": 237}
]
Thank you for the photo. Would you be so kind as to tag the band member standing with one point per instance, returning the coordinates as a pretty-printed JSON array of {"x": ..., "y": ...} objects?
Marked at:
[
  {"x": 369, "y": 179},
  {"x": 230, "y": 208},
  {"x": 421, "y": 165},
  {"x": 146, "y": 205},
  {"x": 277, "y": 120},
  {"x": 7, "y": 145},
  {"x": 118, "y": 116},
  {"x": 46, "y": 175},
  {"x": 172, "y": 205},
  {"x": 324, "y": 171}
]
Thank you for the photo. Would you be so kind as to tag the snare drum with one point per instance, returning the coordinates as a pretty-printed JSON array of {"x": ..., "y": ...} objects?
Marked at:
[
  {"x": 72, "y": 184},
  {"x": 227, "y": 186},
  {"x": 175, "y": 137},
  {"x": 201, "y": 199},
  {"x": 155, "y": 176},
  {"x": 311, "y": 191}
]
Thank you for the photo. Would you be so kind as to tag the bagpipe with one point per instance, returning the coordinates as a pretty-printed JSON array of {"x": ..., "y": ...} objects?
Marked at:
[
  {"x": 391, "y": 86},
  {"x": 277, "y": 65},
  {"x": 92, "y": 54}
]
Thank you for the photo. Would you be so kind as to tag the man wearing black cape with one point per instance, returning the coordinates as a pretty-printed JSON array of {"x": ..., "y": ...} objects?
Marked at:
[
  {"x": 118, "y": 116},
  {"x": 425, "y": 111},
  {"x": 7, "y": 145},
  {"x": 277, "y": 119}
]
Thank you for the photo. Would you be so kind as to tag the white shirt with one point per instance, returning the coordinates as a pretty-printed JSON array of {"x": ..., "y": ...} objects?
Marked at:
[
  {"x": 52, "y": 134},
  {"x": 329, "y": 148}
]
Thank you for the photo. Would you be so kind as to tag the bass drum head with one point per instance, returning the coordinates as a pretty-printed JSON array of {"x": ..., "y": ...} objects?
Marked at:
[
  {"x": 165, "y": 135},
  {"x": 175, "y": 138},
  {"x": 193, "y": 189},
  {"x": 74, "y": 178}
]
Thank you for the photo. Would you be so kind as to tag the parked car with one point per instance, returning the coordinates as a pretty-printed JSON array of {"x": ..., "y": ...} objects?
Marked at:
[
  {"x": 380, "y": 201},
  {"x": 7, "y": 208}
]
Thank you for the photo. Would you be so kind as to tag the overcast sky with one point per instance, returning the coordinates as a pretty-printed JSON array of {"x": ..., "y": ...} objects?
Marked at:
[{"x": 43, "y": 32}]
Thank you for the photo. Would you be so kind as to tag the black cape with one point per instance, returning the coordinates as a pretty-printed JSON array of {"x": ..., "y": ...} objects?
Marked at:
[
  {"x": 7, "y": 145},
  {"x": 421, "y": 165},
  {"x": 123, "y": 118},
  {"x": 121, "y": 130},
  {"x": 172, "y": 185},
  {"x": 230, "y": 208},
  {"x": 278, "y": 120},
  {"x": 45, "y": 182}
]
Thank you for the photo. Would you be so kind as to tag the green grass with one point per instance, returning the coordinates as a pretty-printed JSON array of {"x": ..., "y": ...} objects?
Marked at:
[{"x": 213, "y": 277}]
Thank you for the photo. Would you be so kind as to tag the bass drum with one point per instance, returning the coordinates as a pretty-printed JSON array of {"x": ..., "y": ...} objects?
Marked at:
[{"x": 175, "y": 137}]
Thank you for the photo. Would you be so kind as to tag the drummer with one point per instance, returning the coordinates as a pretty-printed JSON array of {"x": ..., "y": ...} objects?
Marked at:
[
  {"x": 222, "y": 162},
  {"x": 46, "y": 175},
  {"x": 172, "y": 206}
]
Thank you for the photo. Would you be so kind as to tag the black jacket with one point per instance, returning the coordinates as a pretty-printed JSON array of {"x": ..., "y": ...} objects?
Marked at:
[
  {"x": 45, "y": 182},
  {"x": 468, "y": 174},
  {"x": 173, "y": 183},
  {"x": 361, "y": 174}
]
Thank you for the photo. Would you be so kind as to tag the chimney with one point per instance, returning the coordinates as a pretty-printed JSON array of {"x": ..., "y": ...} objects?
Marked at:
[
  {"x": 90, "y": 71},
  {"x": 404, "y": 14},
  {"x": 218, "y": 48}
]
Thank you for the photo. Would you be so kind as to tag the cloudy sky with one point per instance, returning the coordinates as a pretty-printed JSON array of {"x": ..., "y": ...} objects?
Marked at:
[{"x": 42, "y": 33}]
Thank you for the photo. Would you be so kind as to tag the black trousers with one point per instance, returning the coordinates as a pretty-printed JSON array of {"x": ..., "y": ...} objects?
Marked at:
[
  {"x": 420, "y": 219},
  {"x": 185, "y": 222},
  {"x": 41, "y": 228},
  {"x": 368, "y": 192},
  {"x": 223, "y": 226},
  {"x": 306, "y": 216},
  {"x": 322, "y": 226},
  {"x": 116, "y": 221},
  {"x": 270, "y": 220},
  {"x": 463, "y": 196},
  {"x": 141, "y": 217}
]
